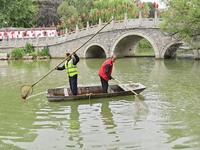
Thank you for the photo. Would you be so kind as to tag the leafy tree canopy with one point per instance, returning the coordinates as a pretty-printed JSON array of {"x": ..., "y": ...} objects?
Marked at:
[
  {"x": 47, "y": 12},
  {"x": 17, "y": 13},
  {"x": 91, "y": 10},
  {"x": 182, "y": 17}
]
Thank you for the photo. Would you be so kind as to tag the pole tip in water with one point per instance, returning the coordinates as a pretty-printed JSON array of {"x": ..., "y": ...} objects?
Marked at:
[{"x": 24, "y": 96}]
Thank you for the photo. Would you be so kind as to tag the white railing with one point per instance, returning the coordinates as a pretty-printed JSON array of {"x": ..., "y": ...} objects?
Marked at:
[{"x": 89, "y": 30}]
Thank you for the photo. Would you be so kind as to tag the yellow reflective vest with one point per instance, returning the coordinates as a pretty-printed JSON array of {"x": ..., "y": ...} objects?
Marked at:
[{"x": 70, "y": 68}]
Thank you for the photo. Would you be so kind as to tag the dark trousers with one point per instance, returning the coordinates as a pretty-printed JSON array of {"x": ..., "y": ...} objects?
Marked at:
[
  {"x": 104, "y": 84},
  {"x": 73, "y": 84}
]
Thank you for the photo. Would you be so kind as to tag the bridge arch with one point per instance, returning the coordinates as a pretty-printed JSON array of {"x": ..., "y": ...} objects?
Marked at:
[
  {"x": 95, "y": 50},
  {"x": 169, "y": 51},
  {"x": 125, "y": 44}
]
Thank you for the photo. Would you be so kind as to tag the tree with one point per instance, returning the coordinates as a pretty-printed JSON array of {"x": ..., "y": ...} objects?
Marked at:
[
  {"x": 75, "y": 12},
  {"x": 152, "y": 9},
  {"x": 68, "y": 14},
  {"x": 182, "y": 18},
  {"x": 47, "y": 12},
  {"x": 117, "y": 9},
  {"x": 17, "y": 13}
]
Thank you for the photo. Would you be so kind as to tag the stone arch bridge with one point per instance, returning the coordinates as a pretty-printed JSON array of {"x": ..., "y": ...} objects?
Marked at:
[{"x": 119, "y": 38}]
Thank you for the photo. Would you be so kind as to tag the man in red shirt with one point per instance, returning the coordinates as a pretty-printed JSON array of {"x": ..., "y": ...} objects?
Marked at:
[{"x": 105, "y": 72}]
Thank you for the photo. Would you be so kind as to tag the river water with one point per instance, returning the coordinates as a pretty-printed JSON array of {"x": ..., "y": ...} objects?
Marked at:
[{"x": 172, "y": 96}]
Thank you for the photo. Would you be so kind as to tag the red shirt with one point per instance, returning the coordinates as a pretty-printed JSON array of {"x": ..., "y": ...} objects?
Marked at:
[{"x": 106, "y": 75}]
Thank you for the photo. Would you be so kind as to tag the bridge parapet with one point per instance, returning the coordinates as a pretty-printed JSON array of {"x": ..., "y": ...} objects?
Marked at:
[
  {"x": 79, "y": 33},
  {"x": 115, "y": 25},
  {"x": 119, "y": 37}
]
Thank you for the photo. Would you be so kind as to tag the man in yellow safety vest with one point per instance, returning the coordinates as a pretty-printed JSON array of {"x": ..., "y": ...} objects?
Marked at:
[{"x": 72, "y": 72}]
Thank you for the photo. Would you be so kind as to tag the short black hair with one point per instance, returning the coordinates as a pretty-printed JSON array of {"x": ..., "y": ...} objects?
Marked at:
[{"x": 67, "y": 54}]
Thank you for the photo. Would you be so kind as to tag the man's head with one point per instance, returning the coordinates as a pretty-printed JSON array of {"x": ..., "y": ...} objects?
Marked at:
[
  {"x": 114, "y": 57},
  {"x": 68, "y": 55}
]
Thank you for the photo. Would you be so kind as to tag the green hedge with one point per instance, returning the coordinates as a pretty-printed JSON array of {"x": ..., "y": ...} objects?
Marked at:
[
  {"x": 17, "y": 53},
  {"x": 28, "y": 50},
  {"x": 44, "y": 52},
  {"x": 144, "y": 44}
]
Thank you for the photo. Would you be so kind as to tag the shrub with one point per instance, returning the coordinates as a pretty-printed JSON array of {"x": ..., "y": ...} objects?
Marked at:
[
  {"x": 144, "y": 47},
  {"x": 17, "y": 53},
  {"x": 29, "y": 48},
  {"x": 44, "y": 52},
  {"x": 144, "y": 44}
]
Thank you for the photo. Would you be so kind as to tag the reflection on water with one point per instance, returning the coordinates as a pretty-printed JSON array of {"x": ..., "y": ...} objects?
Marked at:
[{"x": 172, "y": 96}]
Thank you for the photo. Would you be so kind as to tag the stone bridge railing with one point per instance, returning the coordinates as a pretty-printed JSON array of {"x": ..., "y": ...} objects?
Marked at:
[{"x": 78, "y": 33}]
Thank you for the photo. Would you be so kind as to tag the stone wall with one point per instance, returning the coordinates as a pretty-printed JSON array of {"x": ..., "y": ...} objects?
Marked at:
[{"x": 4, "y": 56}]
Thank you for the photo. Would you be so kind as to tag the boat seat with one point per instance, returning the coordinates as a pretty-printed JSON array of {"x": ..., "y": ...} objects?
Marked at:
[
  {"x": 66, "y": 92},
  {"x": 110, "y": 90}
]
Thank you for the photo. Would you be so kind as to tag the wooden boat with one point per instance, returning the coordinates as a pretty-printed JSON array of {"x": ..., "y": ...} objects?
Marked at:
[{"x": 94, "y": 91}]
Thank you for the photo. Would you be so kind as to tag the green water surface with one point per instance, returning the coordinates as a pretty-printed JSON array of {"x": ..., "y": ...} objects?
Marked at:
[{"x": 172, "y": 96}]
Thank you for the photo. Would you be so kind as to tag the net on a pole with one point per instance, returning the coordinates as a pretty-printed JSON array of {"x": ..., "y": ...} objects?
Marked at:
[{"x": 26, "y": 90}]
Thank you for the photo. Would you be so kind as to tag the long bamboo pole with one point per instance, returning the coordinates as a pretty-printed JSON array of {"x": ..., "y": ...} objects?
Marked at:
[
  {"x": 135, "y": 94},
  {"x": 29, "y": 89}
]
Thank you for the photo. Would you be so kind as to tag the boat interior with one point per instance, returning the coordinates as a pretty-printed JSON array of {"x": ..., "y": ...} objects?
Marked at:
[{"x": 83, "y": 90}]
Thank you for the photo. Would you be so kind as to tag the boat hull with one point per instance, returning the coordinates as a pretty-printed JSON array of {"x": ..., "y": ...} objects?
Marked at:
[{"x": 90, "y": 92}]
